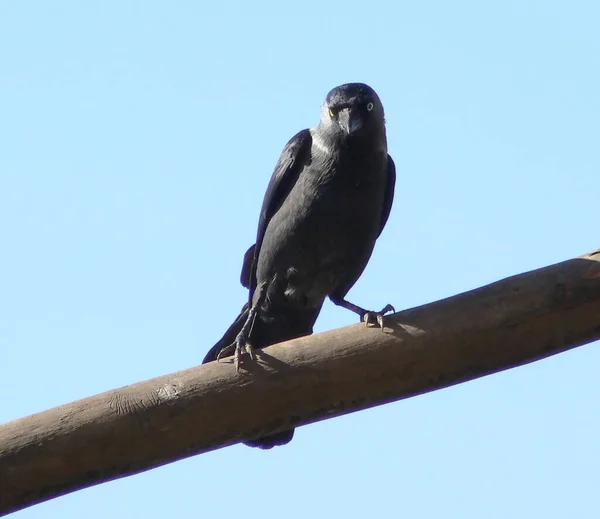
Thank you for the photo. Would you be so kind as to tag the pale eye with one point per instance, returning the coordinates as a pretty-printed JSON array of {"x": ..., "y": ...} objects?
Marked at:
[{"x": 370, "y": 107}]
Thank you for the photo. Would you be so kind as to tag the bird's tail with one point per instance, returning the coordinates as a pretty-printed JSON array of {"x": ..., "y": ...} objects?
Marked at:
[{"x": 228, "y": 338}]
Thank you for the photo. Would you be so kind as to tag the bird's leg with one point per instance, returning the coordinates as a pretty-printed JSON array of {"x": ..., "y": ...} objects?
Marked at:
[
  {"x": 366, "y": 316},
  {"x": 241, "y": 343}
]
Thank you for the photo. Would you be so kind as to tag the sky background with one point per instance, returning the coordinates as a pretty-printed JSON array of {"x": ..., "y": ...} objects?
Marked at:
[{"x": 136, "y": 142}]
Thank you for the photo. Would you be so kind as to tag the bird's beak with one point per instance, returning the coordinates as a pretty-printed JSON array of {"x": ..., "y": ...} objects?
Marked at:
[{"x": 350, "y": 120}]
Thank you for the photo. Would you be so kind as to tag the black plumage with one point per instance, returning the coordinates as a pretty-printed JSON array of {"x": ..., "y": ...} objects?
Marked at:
[{"x": 327, "y": 202}]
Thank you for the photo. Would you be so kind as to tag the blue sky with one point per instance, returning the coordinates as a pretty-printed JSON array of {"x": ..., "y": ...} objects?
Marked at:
[{"x": 137, "y": 139}]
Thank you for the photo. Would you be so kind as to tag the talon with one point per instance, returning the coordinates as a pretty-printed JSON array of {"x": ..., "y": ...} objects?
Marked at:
[
  {"x": 377, "y": 317},
  {"x": 236, "y": 359},
  {"x": 250, "y": 351},
  {"x": 225, "y": 352},
  {"x": 387, "y": 308},
  {"x": 240, "y": 347},
  {"x": 368, "y": 318},
  {"x": 365, "y": 316}
]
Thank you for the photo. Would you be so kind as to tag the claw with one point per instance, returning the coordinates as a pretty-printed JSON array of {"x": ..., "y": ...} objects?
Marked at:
[
  {"x": 250, "y": 351},
  {"x": 387, "y": 308},
  {"x": 369, "y": 317},
  {"x": 241, "y": 346},
  {"x": 226, "y": 351},
  {"x": 238, "y": 348},
  {"x": 236, "y": 358},
  {"x": 365, "y": 316}
]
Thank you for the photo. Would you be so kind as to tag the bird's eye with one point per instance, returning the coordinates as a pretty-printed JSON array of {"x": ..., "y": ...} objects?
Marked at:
[
  {"x": 369, "y": 107},
  {"x": 331, "y": 113}
]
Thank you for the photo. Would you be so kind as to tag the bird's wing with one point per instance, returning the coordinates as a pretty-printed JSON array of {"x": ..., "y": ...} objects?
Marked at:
[
  {"x": 245, "y": 276},
  {"x": 389, "y": 193},
  {"x": 292, "y": 160}
]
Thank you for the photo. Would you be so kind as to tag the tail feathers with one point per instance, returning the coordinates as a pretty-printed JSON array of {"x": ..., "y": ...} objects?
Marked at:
[
  {"x": 229, "y": 336},
  {"x": 268, "y": 442}
]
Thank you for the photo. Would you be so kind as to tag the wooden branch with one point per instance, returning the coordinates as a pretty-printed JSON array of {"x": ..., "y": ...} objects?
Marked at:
[{"x": 128, "y": 430}]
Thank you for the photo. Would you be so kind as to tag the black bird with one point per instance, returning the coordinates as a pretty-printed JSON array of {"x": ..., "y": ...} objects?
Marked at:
[{"x": 327, "y": 202}]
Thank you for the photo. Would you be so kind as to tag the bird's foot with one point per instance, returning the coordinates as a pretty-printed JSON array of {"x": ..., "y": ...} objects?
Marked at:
[
  {"x": 365, "y": 315},
  {"x": 242, "y": 346},
  {"x": 376, "y": 317},
  {"x": 237, "y": 348}
]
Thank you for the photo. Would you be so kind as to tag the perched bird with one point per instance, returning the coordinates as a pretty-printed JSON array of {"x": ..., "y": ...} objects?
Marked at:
[{"x": 327, "y": 202}]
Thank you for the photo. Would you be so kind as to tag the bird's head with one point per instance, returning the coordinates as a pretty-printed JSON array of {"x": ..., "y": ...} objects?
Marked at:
[{"x": 353, "y": 109}]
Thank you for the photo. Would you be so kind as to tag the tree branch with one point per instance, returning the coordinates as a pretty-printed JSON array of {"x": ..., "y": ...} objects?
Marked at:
[{"x": 128, "y": 430}]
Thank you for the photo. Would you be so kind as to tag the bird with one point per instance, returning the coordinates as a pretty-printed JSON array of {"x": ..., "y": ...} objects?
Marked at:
[{"x": 327, "y": 202}]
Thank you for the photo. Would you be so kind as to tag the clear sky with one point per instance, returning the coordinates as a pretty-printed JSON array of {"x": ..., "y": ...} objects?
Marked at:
[{"x": 136, "y": 142}]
